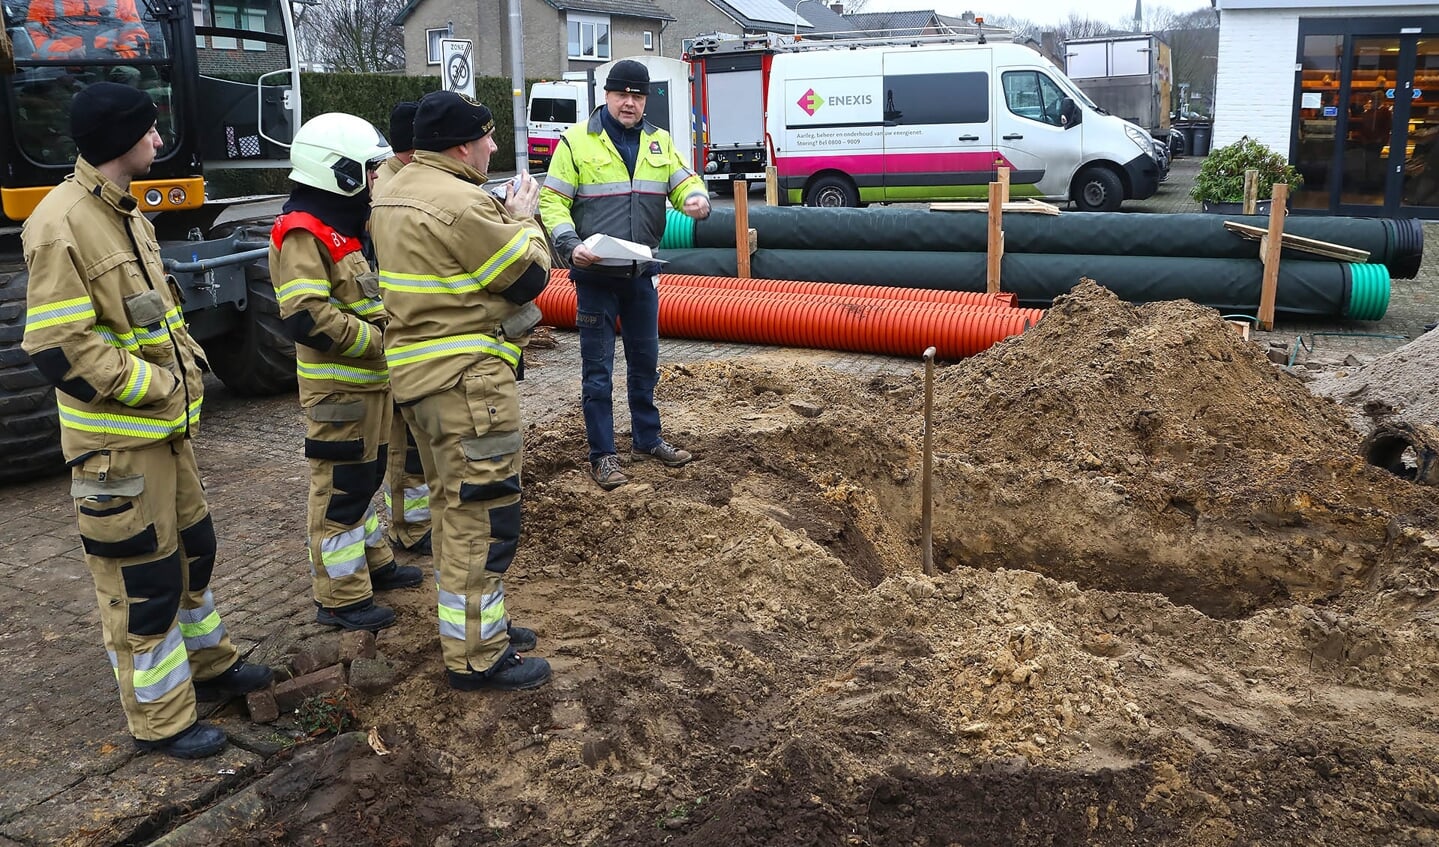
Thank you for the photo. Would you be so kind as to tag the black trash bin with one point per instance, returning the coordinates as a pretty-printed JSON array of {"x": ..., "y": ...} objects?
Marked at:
[{"x": 1200, "y": 136}]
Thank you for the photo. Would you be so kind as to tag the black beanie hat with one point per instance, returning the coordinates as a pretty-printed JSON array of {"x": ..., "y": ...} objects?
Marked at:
[
  {"x": 629, "y": 75},
  {"x": 402, "y": 126},
  {"x": 447, "y": 119},
  {"x": 107, "y": 119}
]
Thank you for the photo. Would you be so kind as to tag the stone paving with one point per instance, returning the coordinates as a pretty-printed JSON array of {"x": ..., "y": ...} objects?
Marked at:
[{"x": 68, "y": 774}]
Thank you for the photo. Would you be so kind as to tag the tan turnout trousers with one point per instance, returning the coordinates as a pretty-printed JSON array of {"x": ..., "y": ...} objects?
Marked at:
[
  {"x": 150, "y": 546},
  {"x": 407, "y": 495},
  {"x": 346, "y": 445},
  {"x": 472, "y": 450}
]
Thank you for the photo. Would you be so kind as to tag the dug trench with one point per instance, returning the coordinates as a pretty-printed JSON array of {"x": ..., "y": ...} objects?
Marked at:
[{"x": 1172, "y": 605}]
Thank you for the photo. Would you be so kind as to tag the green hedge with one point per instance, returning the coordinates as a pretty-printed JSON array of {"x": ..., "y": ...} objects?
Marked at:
[{"x": 370, "y": 96}]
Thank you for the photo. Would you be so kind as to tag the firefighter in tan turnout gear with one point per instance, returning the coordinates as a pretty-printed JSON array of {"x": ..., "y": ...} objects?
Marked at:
[
  {"x": 330, "y": 304},
  {"x": 459, "y": 270},
  {"x": 407, "y": 495},
  {"x": 103, "y": 325}
]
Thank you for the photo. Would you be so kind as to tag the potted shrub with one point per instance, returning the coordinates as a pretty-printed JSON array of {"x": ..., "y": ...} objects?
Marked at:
[{"x": 1219, "y": 187}]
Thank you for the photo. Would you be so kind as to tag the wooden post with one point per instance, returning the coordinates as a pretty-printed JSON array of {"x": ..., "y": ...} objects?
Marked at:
[
  {"x": 771, "y": 186},
  {"x": 741, "y": 227},
  {"x": 996, "y": 236},
  {"x": 1269, "y": 248},
  {"x": 1004, "y": 181},
  {"x": 1251, "y": 191},
  {"x": 927, "y": 498}
]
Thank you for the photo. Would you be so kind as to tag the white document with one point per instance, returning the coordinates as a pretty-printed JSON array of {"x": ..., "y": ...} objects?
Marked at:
[{"x": 617, "y": 251}]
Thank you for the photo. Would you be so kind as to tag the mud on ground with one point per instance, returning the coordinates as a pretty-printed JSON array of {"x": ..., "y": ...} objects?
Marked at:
[{"x": 1171, "y": 606}]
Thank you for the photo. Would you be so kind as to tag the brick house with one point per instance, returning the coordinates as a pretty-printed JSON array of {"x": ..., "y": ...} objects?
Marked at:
[
  {"x": 1350, "y": 92},
  {"x": 574, "y": 35}
]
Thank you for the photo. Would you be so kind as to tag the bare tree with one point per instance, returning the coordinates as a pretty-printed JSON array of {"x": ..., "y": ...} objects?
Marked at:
[
  {"x": 1193, "y": 49},
  {"x": 354, "y": 35}
]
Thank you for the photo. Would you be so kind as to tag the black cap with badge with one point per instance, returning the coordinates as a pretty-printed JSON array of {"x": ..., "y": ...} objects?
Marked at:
[
  {"x": 630, "y": 77},
  {"x": 448, "y": 119}
]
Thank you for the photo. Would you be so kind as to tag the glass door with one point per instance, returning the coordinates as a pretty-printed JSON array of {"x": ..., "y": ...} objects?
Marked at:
[
  {"x": 1322, "y": 124},
  {"x": 1365, "y": 163},
  {"x": 1420, "y": 178}
]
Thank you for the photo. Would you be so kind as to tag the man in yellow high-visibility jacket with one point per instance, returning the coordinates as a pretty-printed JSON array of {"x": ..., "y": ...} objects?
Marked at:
[{"x": 613, "y": 175}]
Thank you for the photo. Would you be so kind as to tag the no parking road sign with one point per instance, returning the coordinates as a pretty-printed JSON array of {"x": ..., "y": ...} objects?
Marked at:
[{"x": 456, "y": 70}]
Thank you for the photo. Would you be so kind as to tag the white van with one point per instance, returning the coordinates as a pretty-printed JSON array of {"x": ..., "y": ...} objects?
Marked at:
[
  {"x": 556, "y": 106},
  {"x": 921, "y": 122}
]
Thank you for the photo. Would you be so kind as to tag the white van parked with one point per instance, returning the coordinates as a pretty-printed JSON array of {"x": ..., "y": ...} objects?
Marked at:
[
  {"x": 556, "y": 106},
  {"x": 895, "y": 123}
]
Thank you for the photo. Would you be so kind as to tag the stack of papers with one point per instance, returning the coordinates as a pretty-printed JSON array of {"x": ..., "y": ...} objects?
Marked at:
[{"x": 617, "y": 251}]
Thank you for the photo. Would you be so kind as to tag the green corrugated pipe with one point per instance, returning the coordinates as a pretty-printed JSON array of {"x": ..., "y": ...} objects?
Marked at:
[
  {"x": 679, "y": 231},
  {"x": 1368, "y": 292}
]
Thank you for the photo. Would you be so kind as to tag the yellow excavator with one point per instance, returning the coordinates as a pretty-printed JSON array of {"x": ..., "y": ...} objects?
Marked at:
[{"x": 225, "y": 77}]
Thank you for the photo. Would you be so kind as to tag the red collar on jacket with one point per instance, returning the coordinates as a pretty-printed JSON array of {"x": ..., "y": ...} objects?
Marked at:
[{"x": 339, "y": 245}]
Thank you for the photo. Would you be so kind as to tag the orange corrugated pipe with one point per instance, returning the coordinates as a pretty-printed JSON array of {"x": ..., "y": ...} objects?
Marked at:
[
  {"x": 895, "y": 327},
  {"x": 830, "y": 289}
]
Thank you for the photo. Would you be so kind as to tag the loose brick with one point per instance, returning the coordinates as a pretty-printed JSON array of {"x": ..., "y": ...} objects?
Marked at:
[
  {"x": 372, "y": 675},
  {"x": 290, "y": 694},
  {"x": 262, "y": 706},
  {"x": 356, "y": 645}
]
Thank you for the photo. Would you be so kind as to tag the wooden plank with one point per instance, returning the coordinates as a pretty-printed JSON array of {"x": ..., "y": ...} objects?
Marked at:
[
  {"x": 996, "y": 237},
  {"x": 753, "y": 240},
  {"x": 1251, "y": 191},
  {"x": 1269, "y": 249},
  {"x": 1029, "y": 204},
  {"x": 1300, "y": 243},
  {"x": 741, "y": 227},
  {"x": 771, "y": 186},
  {"x": 1003, "y": 185}
]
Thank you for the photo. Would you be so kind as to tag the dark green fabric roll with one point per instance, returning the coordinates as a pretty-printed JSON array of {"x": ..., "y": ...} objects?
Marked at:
[
  {"x": 1230, "y": 285},
  {"x": 1393, "y": 243}
]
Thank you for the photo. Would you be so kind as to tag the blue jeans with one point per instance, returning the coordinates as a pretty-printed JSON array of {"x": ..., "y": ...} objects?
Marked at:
[{"x": 600, "y": 300}]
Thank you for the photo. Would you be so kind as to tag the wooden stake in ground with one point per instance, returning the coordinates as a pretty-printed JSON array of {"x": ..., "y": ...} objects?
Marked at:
[
  {"x": 741, "y": 227},
  {"x": 998, "y": 196},
  {"x": 771, "y": 186},
  {"x": 1251, "y": 191},
  {"x": 927, "y": 498},
  {"x": 1269, "y": 248}
]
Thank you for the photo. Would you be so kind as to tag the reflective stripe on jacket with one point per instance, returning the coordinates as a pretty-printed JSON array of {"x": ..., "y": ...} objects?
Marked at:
[
  {"x": 102, "y": 324},
  {"x": 447, "y": 250},
  {"x": 330, "y": 305},
  {"x": 588, "y": 189}
]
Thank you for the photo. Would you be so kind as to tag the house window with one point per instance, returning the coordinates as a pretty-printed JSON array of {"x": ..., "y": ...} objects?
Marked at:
[
  {"x": 589, "y": 37},
  {"x": 238, "y": 17},
  {"x": 433, "y": 37},
  {"x": 686, "y": 45},
  {"x": 649, "y": 40}
]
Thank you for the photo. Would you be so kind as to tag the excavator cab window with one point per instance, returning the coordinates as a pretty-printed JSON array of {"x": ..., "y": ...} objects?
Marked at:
[{"x": 63, "y": 46}]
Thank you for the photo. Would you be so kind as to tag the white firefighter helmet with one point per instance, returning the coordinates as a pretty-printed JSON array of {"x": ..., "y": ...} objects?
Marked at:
[{"x": 332, "y": 152}]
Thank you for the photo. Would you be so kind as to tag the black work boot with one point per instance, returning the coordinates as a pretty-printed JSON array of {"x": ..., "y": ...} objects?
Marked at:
[
  {"x": 510, "y": 673},
  {"x": 197, "y": 742},
  {"x": 523, "y": 639},
  {"x": 241, "y": 678},
  {"x": 419, "y": 548},
  {"x": 395, "y": 575},
  {"x": 607, "y": 474},
  {"x": 668, "y": 454},
  {"x": 364, "y": 615}
]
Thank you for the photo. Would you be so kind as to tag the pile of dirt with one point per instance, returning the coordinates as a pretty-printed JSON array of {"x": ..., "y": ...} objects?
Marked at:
[
  {"x": 1402, "y": 384},
  {"x": 1172, "y": 606}
]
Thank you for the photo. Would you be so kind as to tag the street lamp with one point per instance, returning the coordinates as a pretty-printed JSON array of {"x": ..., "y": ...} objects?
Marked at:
[{"x": 796, "y": 16}]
